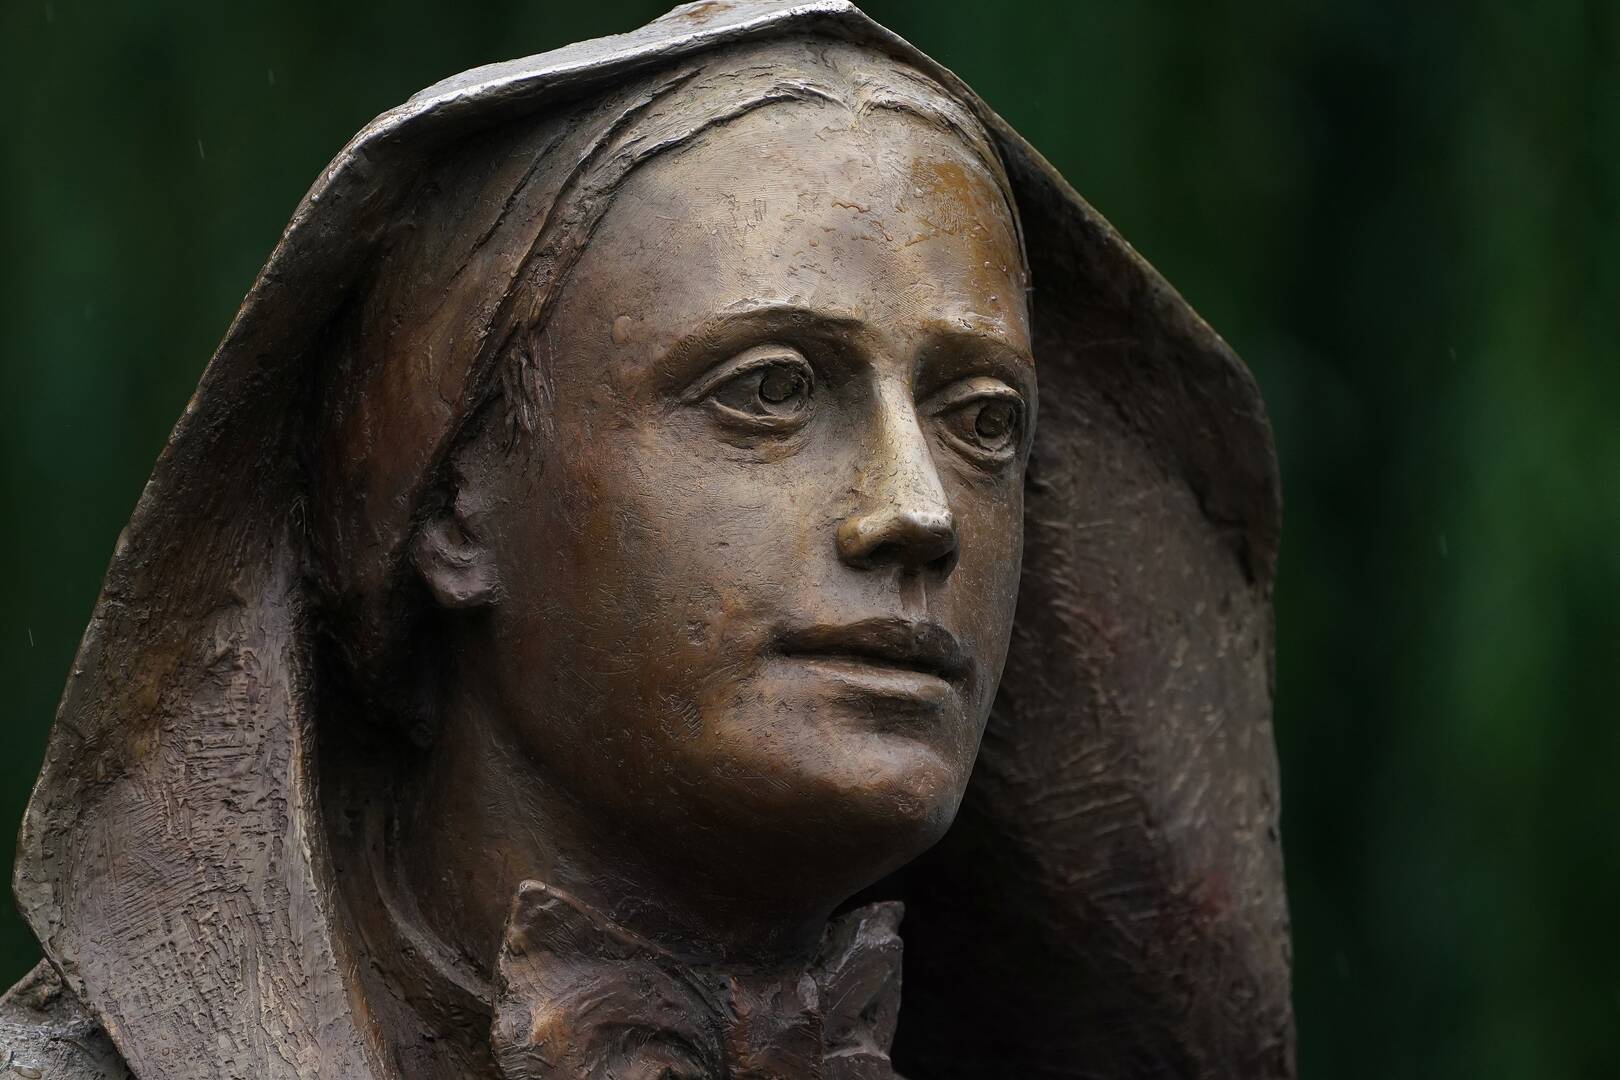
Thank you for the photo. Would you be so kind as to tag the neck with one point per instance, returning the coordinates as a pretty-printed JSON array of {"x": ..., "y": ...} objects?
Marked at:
[{"x": 484, "y": 819}]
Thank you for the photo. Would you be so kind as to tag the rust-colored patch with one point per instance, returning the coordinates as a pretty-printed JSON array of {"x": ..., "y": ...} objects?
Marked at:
[
  {"x": 954, "y": 190},
  {"x": 701, "y": 12}
]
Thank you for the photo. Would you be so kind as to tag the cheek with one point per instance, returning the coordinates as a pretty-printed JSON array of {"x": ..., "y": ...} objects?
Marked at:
[
  {"x": 658, "y": 561},
  {"x": 990, "y": 518},
  {"x": 983, "y": 589}
]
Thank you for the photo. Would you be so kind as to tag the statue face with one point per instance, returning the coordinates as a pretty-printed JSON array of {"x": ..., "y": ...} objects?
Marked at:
[{"x": 758, "y": 563}]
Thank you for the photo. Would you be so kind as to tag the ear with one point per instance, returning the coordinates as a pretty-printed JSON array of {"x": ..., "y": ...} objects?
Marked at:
[{"x": 457, "y": 567}]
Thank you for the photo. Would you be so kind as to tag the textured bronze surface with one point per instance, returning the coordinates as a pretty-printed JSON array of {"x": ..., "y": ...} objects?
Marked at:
[{"x": 654, "y": 490}]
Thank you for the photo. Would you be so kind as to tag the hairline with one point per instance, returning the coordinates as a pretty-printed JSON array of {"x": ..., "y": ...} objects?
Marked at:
[{"x": 522, "y": 379}]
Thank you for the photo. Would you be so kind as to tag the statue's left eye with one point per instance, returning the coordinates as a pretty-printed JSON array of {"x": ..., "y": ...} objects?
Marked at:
[
  {"x": 773, "y": 391},
  {"x": 994, "y": 423},
  {"x": 988, "y": 426}
]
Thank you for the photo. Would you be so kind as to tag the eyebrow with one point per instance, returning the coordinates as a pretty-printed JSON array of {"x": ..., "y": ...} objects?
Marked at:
[
  {"x": 980, "y": 331},
  {"x": 751, "y": 316},
  {"x": 736, "y": 324},
  {"x": 973, "y": 334},
  {"x": 983, "y": 339}
]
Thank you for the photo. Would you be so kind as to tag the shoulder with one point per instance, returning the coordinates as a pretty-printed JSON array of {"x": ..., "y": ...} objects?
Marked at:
[{"x": 46, "y": 1034}]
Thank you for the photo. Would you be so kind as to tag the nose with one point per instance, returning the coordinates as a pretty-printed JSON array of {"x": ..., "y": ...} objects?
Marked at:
[{"x": 903, "y": 519}]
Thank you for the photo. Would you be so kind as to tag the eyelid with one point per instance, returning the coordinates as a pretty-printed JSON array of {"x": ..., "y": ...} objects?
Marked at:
[
  {"x": 751, "y": 359},
  {"x": 976, "y": 388}
]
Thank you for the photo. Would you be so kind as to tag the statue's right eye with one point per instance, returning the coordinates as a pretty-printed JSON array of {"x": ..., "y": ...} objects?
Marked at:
[
  {"x": 768, "y": 388},
  {"x": 775, "y": 390}
]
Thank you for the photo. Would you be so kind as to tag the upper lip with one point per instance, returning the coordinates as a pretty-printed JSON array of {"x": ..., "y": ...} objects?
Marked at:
[{"x": 917, "y": 644}]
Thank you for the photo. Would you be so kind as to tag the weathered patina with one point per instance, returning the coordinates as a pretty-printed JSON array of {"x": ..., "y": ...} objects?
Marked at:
[{"x": 674, "y": 518}]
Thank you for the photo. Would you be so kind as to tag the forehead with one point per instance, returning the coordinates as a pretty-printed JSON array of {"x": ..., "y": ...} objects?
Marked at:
[{"x": 882, "y": 217}]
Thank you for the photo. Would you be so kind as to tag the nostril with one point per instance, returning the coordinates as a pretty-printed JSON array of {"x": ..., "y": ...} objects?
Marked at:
[
  {"x": 896, "y": 553},
  {"x": 879, "y": 554},
  {"x": 942, "y": 565}
]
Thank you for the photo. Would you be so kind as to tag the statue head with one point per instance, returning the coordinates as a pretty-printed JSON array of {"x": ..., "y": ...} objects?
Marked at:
[
  {"x": 725, "y": 569},
  {"x": 625, "y": 481}
]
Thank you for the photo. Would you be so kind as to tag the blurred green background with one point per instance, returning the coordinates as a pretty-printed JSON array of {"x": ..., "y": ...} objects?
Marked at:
[{"x": 1404, "y": 215}]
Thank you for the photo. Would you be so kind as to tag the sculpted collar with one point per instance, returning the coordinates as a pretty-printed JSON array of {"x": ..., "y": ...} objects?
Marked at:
[{"x": 578, "y": 996}]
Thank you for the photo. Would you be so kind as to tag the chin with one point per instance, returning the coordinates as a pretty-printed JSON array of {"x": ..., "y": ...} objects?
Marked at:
[
  {"x": 825, "y": 788},
  {"x": 888, "y": 796}
]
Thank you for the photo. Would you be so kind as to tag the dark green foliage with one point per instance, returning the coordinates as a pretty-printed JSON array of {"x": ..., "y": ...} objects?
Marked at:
[{"x": 1404, "y": 215}]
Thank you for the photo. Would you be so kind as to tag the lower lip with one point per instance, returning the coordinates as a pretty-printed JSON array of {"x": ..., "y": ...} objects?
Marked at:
[{"x": 882, "y": 680}]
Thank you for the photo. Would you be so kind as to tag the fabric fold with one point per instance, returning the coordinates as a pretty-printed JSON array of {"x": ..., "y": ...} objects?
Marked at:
[{"x": 578, "y": 996}]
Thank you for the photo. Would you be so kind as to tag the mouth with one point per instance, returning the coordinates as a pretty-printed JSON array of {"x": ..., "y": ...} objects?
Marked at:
[{"x": 883, "y": 650}]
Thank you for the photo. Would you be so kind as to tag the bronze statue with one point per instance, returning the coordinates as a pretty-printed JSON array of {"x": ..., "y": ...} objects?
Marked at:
[{"x": 560, "y": 632}]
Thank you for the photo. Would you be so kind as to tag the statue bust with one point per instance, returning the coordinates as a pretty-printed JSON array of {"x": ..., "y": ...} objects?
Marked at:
[{"x": 652, "y": 492}]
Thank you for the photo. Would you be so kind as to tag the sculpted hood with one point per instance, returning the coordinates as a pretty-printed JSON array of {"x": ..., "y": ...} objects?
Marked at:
[{"x": 1110, "y": 901}]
